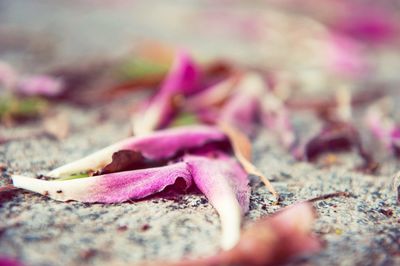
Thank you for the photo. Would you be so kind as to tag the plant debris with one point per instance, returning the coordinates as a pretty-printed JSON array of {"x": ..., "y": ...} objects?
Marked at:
[
  {"x": 331, "y": 195},
  {"x": 141, "y": 166}
]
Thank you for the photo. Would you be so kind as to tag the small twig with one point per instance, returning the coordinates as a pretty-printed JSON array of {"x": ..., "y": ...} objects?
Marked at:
[{"x": 331, "y": 195}]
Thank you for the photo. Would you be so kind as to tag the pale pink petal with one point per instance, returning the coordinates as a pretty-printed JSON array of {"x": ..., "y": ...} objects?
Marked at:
[
  {"x": 242, "y": 111},
  {"x": 109, "y": 188},
  {"x": 8, "y": 76},
  {"x": 213, "y": 95},
  {"x": 40, "y": 85},
  {"x": 345, "y": 56}
]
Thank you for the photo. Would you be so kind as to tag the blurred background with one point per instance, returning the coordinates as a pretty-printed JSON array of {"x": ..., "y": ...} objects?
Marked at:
[{"x": 347, "y": 38}]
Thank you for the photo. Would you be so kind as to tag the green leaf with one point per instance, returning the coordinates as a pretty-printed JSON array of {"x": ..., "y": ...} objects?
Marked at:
[
  {"x": 184, "y": 119},
  {"x": 141, "y": 68},
  {"x": 14, "y": 107}
]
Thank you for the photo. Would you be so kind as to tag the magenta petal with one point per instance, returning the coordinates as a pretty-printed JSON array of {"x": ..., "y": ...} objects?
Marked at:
[
  {"x": 110, "y": 188},
  {"x": 138, "y": 184},
  {"x": 162, "y": 144},
  {"x": 182, "y": 77},
  {"x": 180, "y": 81},
  {"x": 166, "y": 143}
]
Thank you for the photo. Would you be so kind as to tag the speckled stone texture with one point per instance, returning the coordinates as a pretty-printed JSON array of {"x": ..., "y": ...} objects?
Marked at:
[{"x": 360, "y": 230}]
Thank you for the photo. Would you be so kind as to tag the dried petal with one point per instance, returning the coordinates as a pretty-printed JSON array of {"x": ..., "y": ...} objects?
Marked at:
[
  {"x": 333, "y": 137},
  {"x": 180, "y": 81},
  {"x": 157, "y": 146},
  {"x": 109, "y": 188},
  {"x": 225, "y": 184},
  {"x": 337, "y": 136}
]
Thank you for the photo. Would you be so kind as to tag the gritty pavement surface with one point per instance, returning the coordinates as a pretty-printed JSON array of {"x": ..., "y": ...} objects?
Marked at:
[{"x": 360, "y": 230}]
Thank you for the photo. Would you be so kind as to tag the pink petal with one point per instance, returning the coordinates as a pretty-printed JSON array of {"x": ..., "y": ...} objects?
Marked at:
[
  {"x": 213, "y": 95},
  {"x": 345, "y": 56},
  {"x": 160, "y": 145},
  {"x": 276, "y": 118},
  {"x": 182, "y": 77},
  {"x": 164, "y": 144},
  {"x": 180, "y": 81},
  {"x": 225, "y": 184},
  {"x": 241, "y": 112},
  {"x": 370, "y": 23},
  {"x": 109, "y": 188},
  {"x": 4, "y": 261},
  {"x": 8, "y": 76},
  {"x": 272, "y": 240},
  {"x": 383, "y": 126},
  {"x": 41, "y": 85}
]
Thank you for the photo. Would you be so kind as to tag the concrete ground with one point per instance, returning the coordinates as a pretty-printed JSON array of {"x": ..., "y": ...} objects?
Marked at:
[{"x": 359, "y": 230}]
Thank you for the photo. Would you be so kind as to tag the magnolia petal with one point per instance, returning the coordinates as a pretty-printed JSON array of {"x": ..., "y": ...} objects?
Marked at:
[
  {"x": 225, "y": 184},
  {"x": 180, "y": 81},
  {"x": 109, "y": 188},
  {"x": 159, "y": 145}
]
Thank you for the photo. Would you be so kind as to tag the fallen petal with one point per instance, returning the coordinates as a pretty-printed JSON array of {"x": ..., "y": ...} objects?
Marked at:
[
  {"x": 271, "y": 240},
  {"x": 40, "y": 85},
  {"x": 109, "y": 188},
  {"x": 225, "y": 184},
  {"x": 157, "y": 146},
  {"x": 383, "y": 126},
  {"x": 243, "y": 108},
  {"x": 212, "y": 96},
  {"x": 335, "y": 137},
  {"x": 180, "y": 81},
  {"x": 276, "y": 118}
]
